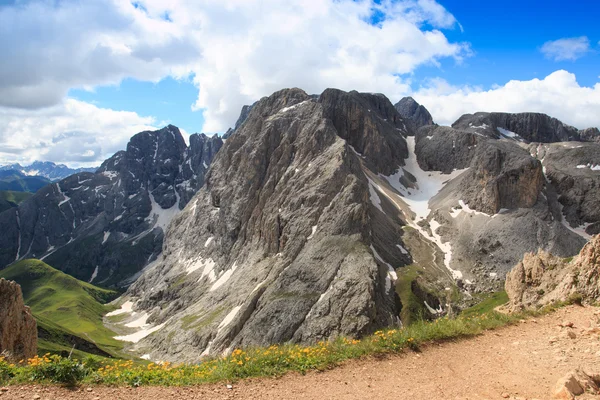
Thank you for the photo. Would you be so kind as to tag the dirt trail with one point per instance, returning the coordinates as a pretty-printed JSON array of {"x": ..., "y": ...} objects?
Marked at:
[{"x": 524, "y": 361}]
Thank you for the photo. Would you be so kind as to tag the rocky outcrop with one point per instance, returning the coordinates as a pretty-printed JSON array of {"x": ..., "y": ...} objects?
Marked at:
[
  {"x": 414, "y": 112},
  {"x": 370, "y": 124},
  {"x": 573, "y": 170},
  {"x": 18, "y": 329},
  {"x": 542, "y": 278},
  {"x": 105, "y": 227},
  {"x": 502, "y": 176},
  {"x": 528, "y": 127}
]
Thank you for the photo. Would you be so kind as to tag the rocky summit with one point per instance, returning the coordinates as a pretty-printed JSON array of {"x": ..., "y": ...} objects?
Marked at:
[
  {"x": 18, "y": 329},
  {"x": 333, "y": 215},
  {"x": 415, "y": 113},
  {"x": 104, "y": 227}
]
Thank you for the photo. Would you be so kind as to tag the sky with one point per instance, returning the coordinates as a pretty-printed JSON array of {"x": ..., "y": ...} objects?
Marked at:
[{"x": 83, "y": 76}]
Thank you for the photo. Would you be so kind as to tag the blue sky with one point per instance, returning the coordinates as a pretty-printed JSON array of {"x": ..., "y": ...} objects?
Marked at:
[
  {"x": 505, "y": 38},
  {"x": 85, "y": 75}
]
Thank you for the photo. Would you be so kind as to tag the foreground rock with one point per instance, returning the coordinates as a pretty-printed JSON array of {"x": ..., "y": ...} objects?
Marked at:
[
  {"x": 18, "y": 329},
  {"x": 575, "y": 383},
  {"x": 542, "y": 278}
]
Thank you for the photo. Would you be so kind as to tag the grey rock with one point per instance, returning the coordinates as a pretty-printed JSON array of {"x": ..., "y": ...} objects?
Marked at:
[
  {"x": 530, "y": 127},
  {"x": 109, "y": 225},
  {"x": 417, "y": 114},
  {"x": 276, "y": 246}
]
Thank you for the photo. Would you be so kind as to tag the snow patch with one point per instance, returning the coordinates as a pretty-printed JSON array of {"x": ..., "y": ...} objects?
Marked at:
[
  {"x": 223, "y": 278},
  {"x": 229, "y": 317},
  {"x": 126, "y": 307},
  {"x": 402, "y": 249},
  {"x": 507, "y": 133},
  {"x": 373, "y": 196},
  {"x": 106, "y": 236},
  {"x": 286, "y": 109},
  {"x": 314, "y": 229},
  {"x": 465, "y": 207},
  {"x": 391, "y": 276},
  {"x": 208, "y": 241},
  {"x": 139, "y": 335},
  {"x": 94, "y": 275},
  {"x": 161, "y": 216},
  {"x": 139, "y": 322},
  {"x": 428, "y": 183},
  {"x": 110, "y": 174},
  {"x": 590, "y": 166}
]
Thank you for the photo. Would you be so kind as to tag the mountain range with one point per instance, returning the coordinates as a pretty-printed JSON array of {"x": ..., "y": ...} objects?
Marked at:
[
  {"x": 104, "y": 227},
  {"x": 317, "y": 216},
  {"x": 46, "y": 169}
]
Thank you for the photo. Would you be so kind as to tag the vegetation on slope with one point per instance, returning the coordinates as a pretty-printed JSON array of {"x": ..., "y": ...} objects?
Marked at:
[
  {"x": 68, "y": 311},
  {"x": 9, "y": 199},
  {"x": 19, "y": 182},
  {"x": 258, "y": 362}
]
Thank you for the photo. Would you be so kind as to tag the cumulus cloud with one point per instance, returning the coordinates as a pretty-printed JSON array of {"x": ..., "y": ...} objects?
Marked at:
[
  {"x": 236, "y": 50},
  {"x": 71, "y": 132},
  {"x": 566, "y": 48},
  {"x": 558, "y": 95}
]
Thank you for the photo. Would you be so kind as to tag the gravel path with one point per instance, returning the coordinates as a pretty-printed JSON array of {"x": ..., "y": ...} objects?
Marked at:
[{"x": 520, "y": 362}]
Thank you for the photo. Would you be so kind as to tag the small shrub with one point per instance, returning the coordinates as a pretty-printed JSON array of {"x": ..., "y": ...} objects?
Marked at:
[{"x": 575, "y": 298}]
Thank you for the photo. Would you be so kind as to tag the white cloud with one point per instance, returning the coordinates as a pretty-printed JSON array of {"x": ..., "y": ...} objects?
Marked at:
[
  {"x": 236, "y": 50},
  {"x": 566, "y": 48},
  {"x": 72, "y": 132},
  {"x": 558, "y": 95}
]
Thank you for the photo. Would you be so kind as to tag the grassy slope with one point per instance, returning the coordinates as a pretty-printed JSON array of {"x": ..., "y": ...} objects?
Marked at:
[
  {"x": 64, "y": 305},
  {"x": 9, "y": 199}
]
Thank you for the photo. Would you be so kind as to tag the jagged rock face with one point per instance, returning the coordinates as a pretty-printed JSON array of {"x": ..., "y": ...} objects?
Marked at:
[
  {"x": 18, "y": 329},
  {"x": 314, "y": 202},
  {"x": 278, "y": 246},
  {"x": 506, "y": 176},
  {"x": 485, "y": 211},
  {"x": 529, "y": 127},
  {"x": 243, "y": 115},
  {"x": 418, "y": 115},
  {"x": 440, "y": 148},
  {"x": 542, "y": 278},
  {"x": 105, "y": 227},
  {"x": 574, "y": 171},
  {"x": 590, "y": 135},
  {"x": 501, "y": 175},
  {"x": 370, "y": 124}
]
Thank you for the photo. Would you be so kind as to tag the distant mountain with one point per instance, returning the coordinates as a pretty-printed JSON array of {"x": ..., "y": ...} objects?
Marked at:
[
  {"x": 17, "y": 181},
  {"x": 47, "y": 169},
  {"x": 104, "y": 227}
]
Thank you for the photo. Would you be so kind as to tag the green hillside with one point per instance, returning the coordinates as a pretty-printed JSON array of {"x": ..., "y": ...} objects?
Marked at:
[
  {"x": 9, "y": 198},
  {"x": 68, "y": 311},
  {"x": 19, "y": 182}
]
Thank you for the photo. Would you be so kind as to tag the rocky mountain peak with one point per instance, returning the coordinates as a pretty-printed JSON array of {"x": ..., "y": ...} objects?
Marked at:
[
  {"x": 105, "y": 227},
  {"x": 409, "y": 109}
]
